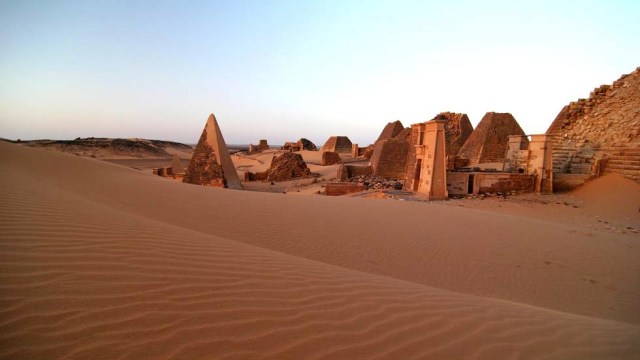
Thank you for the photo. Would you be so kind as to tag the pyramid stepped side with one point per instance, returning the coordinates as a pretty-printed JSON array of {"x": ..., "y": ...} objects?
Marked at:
[{"x": 605, "y": 126}]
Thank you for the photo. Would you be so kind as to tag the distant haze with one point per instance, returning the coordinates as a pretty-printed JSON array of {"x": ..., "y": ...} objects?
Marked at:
[{"x": 281, "y": 70}]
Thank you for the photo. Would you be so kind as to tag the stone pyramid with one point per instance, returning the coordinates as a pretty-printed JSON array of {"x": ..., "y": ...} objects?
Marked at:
[
  {"x": 391, "y": 130},
  {"x": 211, "y": 163},
  {"x": 457, "y": 130},
  {"x": 488, "y": 142}
]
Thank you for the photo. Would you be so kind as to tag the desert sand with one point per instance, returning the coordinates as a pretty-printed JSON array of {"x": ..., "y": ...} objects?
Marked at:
[{"x": 101, "y": 261}]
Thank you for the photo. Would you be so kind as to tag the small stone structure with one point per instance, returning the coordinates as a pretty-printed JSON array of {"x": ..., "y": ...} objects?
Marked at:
[
  {"x": 306, "y": 144},
  {"x": 284, "y": 167},
  {"x": 532, "y": 157},
  {"x": 488, "y": 142},
  {"x": 290, "y": 146},
  {"x": 330, "y": 158},
  {"x": 287, "y": 166},
  {"x": 339, "y": 144},
  {"x": 263, "y": 145},
  {"x": 173, "y": 170},
  {"x": 211, "y": 163},
  {"x": 302, "y": 144},
  {"x": 427, "y": 174},
  {"x": 468, "y": 183},
  {"x": 343, "y": 188},
  {"x": 598, "y": 134}
]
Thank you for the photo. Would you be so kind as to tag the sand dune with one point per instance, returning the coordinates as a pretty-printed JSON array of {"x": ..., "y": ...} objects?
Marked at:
[{"x": 102, "y": 261}]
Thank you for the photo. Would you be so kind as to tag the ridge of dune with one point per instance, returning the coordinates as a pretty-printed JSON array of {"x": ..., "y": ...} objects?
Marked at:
[
  {"x": 546, "y": 265},
  {"x": 84, "y": 278}
]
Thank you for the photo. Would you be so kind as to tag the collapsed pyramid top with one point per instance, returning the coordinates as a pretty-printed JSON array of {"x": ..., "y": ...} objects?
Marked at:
[
  {"x": 488, "y": 142},
  {"x": 211, "y": 163}
]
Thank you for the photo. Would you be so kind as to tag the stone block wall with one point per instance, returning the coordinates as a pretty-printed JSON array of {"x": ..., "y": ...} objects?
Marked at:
[
  {"x": 389, "y": 158},
  {"x": 503, "y": 183},
  {"x": 343, "y": 188},
  {"x": 605, "y": 126}
]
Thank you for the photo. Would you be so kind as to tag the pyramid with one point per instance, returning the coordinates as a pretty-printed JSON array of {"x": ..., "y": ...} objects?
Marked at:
[
  {"x": 211, "y": 163},
  {"x": 391, "y": 130},
  {"x": 339, "y": 144},
  {"x": 606, "y": 125},
  {"x": 457, "y": 130},
  {"x": 488, "y": 142}
]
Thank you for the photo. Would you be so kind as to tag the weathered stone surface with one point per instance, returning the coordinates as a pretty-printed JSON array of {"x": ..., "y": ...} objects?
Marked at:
[
  {"x": 343, "y": 188},
  {"x": 389, "y": 158},
  {"x": 601, "y": 132},
  {"x": 305, "y": 144},
  {"x": 488, "y": 142},
  {"x": 330, "y": 158},
  {"x": 457, "y": 130},
  {"x": 290, "y": 146},
  {"x": 339, "y": 144},
  {"x": 391, "y": 130},
  {"x": 211, "y": 163},
  {"x": 389, "y": 155},
  {"x": 287, "y": 166},
  {"x": 263, "y": 145}
]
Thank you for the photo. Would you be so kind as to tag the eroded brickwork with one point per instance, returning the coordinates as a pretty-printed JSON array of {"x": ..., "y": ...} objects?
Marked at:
[{"x": 601, "y": 132}]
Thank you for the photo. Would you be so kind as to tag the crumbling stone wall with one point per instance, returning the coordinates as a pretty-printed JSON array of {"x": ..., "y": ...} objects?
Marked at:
[
  {"x": 343, "y": 188},
  {"x": 457, "y": 130},
  {"x": 605, "y": 126},
  {"x": 348, "y": 171},
  {"x": 488, "y": 142},
  {"x": 287, "y": 166}
]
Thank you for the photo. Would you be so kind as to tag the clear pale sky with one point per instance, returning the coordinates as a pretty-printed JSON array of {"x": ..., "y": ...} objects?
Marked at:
[{"x": 282, "y": 70}]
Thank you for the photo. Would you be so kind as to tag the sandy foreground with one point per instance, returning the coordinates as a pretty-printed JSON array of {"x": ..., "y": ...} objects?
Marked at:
[{"x": 101, "y": 261}]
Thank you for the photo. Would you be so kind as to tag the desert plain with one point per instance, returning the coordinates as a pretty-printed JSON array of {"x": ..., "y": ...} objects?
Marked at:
[{"x": 103, "y": 261}]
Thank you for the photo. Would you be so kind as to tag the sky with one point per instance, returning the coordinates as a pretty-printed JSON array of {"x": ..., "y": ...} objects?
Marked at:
[{"x": 281, "y": 70}]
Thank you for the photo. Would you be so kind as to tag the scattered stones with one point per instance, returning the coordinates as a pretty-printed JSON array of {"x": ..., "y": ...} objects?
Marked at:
[{"x": 371, "y": 182}]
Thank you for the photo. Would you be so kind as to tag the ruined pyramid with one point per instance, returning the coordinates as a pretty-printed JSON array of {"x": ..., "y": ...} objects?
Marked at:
[
  {"x": 211, "y": 163},
  {"x": 488, "y": 142}
]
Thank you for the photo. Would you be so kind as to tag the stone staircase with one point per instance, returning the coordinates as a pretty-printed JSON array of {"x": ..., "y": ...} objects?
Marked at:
[{"x": 624, "y": 161}]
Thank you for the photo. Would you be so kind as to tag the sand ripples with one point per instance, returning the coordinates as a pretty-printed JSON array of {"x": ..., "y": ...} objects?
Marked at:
[{"x": 81, "y": 280}]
